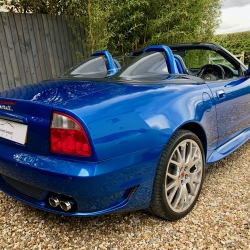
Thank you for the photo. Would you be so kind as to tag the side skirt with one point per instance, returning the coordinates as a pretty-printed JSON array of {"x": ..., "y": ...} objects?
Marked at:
[{"x": 229, "y": 147}]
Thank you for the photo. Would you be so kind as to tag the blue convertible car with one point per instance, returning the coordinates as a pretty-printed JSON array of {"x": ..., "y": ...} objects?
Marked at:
[{"x": 124, "y": 133}]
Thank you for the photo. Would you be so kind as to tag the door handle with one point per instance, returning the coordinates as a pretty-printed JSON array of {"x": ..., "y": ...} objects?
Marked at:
[{"x": 220, "y": 93}]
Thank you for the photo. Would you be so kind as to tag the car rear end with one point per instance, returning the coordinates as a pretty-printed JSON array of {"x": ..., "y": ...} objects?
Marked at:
[{"x": 48, "y": 160}]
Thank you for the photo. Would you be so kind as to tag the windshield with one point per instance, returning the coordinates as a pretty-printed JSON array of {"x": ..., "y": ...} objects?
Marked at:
[{"x": 196, "y": 58}]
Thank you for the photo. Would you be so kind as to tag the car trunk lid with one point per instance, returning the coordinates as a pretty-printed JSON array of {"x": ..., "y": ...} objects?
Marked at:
[{"x": 26, "y": 111}]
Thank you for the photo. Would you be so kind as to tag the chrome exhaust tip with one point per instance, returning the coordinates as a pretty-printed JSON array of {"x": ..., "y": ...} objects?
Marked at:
[
  {"x": 53, "y": 201},
  {"x": 66, "y": 205}
]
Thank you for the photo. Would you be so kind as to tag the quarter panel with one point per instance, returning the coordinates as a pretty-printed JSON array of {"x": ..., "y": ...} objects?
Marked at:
[{"x": 134, "y": 120}]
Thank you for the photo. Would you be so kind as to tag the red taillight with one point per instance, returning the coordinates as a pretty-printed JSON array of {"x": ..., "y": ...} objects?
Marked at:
[{"x": 67, "y": 136}]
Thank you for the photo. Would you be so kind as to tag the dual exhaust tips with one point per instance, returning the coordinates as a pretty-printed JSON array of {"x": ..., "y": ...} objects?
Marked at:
[{"x": 65, "y": 205}]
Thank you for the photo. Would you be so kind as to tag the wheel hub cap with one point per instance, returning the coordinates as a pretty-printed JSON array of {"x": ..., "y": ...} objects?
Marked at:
[{"x": 184, "y": 175}]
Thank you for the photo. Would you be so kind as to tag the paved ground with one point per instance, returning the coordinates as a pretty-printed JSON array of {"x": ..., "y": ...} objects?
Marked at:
[{"x": 220, "y": 220}]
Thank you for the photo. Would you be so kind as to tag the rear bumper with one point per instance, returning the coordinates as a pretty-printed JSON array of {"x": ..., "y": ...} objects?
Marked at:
[{"x": 122, "y": 183}]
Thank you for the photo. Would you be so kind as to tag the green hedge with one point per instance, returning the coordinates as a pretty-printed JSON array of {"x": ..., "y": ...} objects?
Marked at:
[{"x": 236, "y": 43}]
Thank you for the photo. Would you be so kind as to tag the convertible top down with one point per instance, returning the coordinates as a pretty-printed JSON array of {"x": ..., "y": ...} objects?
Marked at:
[{"x": 124, "y": 133}]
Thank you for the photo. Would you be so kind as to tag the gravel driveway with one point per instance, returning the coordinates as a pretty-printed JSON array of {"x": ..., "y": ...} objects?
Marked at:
[{"x": 220, "y": 220}]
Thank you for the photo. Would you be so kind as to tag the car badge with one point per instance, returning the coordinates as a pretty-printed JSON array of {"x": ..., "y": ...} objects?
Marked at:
[{"x": 5, "y": 105}]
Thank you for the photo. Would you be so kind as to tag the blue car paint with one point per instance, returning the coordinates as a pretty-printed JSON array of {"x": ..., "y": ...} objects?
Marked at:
[
  {"x": 169, "y": 56},
  {"x": 137, "y": 145},
  {"x": 179, "y": 66},
  {"x": 112, "y": 69},
  {"x": 140, "y": 142},
  {"x": 86, "y": 181},
  {"x": 154, "y": 118},
  {"x": 232, "y": 108},
  {"x": 125, "y": 154},
  {"x": 38, "y": 120}
]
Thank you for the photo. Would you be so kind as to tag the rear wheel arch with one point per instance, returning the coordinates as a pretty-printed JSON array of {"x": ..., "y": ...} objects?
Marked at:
[{"x": 199, "y": 131}]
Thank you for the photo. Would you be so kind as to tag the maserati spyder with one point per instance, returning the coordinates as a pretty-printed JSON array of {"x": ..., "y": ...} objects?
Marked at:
[{"x": 124, "y": 133}]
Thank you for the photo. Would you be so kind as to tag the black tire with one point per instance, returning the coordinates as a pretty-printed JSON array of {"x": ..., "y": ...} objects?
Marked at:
[{"x": 179, "y": 176}]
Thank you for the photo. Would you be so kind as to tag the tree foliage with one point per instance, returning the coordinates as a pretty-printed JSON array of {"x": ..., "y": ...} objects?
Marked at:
[
  {"x": 124, "y": 25},
  {"x": 41, "y": 6},
  {"x": 236, "y": 43}
]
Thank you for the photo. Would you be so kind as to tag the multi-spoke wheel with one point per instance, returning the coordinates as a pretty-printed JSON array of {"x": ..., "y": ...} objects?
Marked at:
[{"x": 179, "y": 176}]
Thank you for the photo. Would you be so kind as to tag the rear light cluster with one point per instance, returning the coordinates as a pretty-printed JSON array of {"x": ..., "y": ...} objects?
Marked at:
[{"x": 67, "y": 136}]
